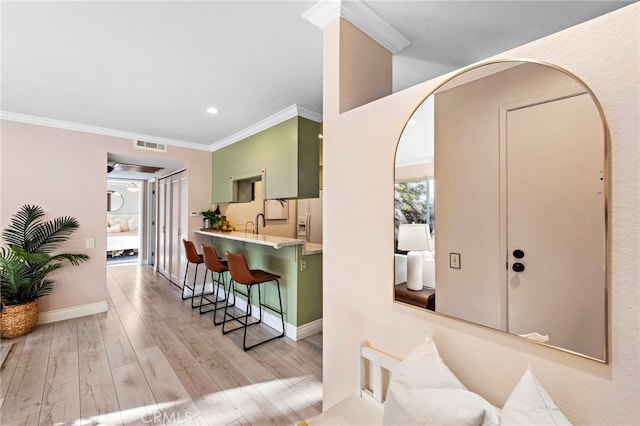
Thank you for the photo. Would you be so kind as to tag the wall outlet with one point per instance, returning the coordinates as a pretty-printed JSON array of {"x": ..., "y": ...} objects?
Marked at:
[
  {"x": 454, "y": 260},
  {"x": 303, "y": 264},
  {"x": 90, "y": 243},
  {"x": 240, "y": 220}
]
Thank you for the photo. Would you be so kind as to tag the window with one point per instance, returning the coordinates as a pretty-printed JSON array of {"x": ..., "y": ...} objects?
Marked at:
[{"x": 414, "y": 204}]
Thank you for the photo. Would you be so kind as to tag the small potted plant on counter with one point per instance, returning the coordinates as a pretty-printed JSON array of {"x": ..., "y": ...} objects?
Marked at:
[
  {"x": 25, "y": 264},
  {"x": 211, "y": 219}
]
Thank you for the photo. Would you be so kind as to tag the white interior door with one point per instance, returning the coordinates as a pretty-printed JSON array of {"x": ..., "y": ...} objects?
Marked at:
[
  {"x": 161, "y": 252},
  {"x": 174, "y": 235},
  {"x": 183, "y": 226},
  {"x": 152, "y": 221},
  {"x": 555, "y": 217}
]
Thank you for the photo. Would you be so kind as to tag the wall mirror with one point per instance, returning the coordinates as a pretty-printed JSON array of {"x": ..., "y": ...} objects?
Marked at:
[
  {"x": 500, "y": 184},
  {"x": 115, "y": 201}
]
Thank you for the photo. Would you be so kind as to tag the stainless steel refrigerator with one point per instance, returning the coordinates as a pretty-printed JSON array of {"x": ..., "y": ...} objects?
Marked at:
[{"x": 309, "y": 225}]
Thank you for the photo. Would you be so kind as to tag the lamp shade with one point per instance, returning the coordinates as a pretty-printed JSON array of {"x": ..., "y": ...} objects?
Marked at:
[{"x": 414, "y": 237}]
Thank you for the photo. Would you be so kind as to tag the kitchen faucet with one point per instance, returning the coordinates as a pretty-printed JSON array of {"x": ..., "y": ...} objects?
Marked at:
[
  {"x": 264, "y": 223},
  {"x": 247, "y": 224}
]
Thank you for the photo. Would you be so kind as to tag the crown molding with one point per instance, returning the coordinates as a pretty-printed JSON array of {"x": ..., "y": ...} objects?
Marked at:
[
  {"x": 277, "y": 118},
  {"x": 362, "y": 16},
  {"x": 79, "y": 127},
  {"x": 323, "y": 12}
]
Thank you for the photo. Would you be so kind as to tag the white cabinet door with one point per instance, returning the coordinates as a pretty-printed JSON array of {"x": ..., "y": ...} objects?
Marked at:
[
  {"x": 172, "y": 226},
  {"x": 174, "y": 237},
  {"x": 161, "y": 229},
  {"x": 183, "y": 230},
  {"x": 555, "y": 198}
]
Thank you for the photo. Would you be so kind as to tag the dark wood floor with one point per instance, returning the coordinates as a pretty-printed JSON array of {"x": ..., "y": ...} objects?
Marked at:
[{"x": 151, "y": 359}]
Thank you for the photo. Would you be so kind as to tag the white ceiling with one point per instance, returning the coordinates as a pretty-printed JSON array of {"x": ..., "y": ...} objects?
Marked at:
[{"x": 152, "y": 68}]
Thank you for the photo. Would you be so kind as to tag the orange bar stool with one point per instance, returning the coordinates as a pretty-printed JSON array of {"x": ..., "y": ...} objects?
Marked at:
[
  {"x": 217, "y": 267},
  {"x": 241, "y": 274},
  {"x": 196, "y": 259}
]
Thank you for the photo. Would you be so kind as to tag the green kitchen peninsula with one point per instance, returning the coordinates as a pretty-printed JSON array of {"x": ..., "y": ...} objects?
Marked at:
[{"x": 298, "y": 263}]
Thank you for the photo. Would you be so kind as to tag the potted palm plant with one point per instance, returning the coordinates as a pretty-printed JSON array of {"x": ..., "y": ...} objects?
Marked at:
[{"x": 25, "y": 264}]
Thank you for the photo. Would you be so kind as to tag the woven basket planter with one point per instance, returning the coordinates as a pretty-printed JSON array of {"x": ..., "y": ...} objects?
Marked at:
[{"x": 18, "y": 320}]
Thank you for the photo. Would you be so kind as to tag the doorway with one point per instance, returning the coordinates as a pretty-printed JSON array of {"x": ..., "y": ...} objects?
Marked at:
[
  {"x": 554, "y": 197},
  {"x": 124, "y": 172},
  {"x": 124, "y": 202}
]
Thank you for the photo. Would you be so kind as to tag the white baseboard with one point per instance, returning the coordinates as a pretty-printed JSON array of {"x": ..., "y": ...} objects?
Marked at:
[
  {"x": 273, "y": 321},
  {"x": 73, "y": 312},
  {"x": 305, "y": 330}
]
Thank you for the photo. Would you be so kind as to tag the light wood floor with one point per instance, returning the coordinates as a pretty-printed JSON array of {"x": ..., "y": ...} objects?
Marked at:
[{"x": 151, "y": 359}]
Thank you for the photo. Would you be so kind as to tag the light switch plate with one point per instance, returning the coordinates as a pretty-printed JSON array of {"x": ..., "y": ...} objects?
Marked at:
[
  {"x": 454, "y": 260},
  {"x": 90, "y": 243}
]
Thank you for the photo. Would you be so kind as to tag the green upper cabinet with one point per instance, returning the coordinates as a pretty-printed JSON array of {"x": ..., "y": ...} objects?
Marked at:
[{"x": 286, "y": 157}]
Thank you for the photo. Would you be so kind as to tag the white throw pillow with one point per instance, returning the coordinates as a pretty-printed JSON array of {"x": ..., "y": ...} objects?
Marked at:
[
  {"x": 424, "y": 391},
  {"x": 133, "y": 224},
  {"x": 423, "y": 367},
  {"x": 530, "y": 404},
  {"x": 441, "y": 407},
  {"x": 113, "y": 229}
]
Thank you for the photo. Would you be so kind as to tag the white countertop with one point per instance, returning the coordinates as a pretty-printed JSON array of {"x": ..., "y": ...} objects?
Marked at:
[
  {"x": 266, "y": 240},
  {"x": 312, "y": 248}
]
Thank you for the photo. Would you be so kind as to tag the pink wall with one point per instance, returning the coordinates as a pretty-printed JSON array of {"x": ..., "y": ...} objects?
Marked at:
[
  {"x": 64, "y": 171},
  {"x": 358, "y": 238},
  {"x": 359, "y": 82}
]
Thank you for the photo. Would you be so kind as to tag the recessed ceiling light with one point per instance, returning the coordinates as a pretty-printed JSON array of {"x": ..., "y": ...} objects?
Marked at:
[{"x": 212, "y": 110}]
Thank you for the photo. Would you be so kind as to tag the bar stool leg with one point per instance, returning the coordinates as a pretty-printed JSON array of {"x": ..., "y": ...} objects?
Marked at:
[
  {"x": 218, "y": 280},
  {"x": 184, "y": 282},
  {"x": 193, "y": 286},
  {"x": 232, "y": 289},
  {"x": 203, "y": 294},
  {"x": 248, "y": 314},
  {"x": 228, "y": 292},
  {"x": 281, "y": 310},
  {"x": 260, "y": 305}
]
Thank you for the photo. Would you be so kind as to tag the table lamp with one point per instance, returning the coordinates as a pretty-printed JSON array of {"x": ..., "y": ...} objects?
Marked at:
[{"x": 414, "y": 238}]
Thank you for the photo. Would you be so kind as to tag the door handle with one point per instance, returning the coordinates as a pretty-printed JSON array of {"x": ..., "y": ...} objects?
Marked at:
[
  {"x": 518, "y": 254},
  {"x": 518, "y": 267}
]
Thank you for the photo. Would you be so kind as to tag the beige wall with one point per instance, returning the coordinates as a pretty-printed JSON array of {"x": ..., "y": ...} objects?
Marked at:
[
  {"x": 467, "y": 133},
  {"x": 358, "y": 231},
  {"x": 359, "y": 83},
  {"x": 64, "y": 171},
  {"x": 248, "y": 211}
]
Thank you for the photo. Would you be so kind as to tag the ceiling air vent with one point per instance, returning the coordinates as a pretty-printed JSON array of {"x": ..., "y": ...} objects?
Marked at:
[{"x": 150, "y": 146}]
